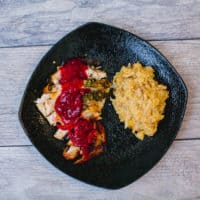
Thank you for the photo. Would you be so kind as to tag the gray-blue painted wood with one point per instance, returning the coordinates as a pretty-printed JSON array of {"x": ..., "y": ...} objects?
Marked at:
[{"x": 46, "y": 21}]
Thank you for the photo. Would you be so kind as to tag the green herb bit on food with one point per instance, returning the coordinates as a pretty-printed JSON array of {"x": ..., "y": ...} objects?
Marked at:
[
  {"x": 95, "y": 95},
  {"x": 102, "y": 83}
]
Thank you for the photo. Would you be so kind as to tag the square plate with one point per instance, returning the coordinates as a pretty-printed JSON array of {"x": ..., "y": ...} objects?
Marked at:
[{"x": 125, "y": 158}]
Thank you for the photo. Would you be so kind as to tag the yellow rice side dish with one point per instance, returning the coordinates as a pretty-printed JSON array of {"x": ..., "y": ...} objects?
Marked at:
[{"x": 139, "y": 99}]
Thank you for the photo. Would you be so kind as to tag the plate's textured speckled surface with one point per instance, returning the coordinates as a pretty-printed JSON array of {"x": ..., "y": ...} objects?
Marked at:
[{"x": 125, "y": 158}]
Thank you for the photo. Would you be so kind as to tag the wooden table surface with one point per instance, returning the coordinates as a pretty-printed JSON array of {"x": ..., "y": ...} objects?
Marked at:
[{"x": 28, "y": 29}]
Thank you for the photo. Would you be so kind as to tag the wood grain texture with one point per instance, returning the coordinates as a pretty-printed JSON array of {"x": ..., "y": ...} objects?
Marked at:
[
  {"x": 25, "y": 22},
  {"x": 17, "y": 65},
  {"x": 185, "y": 57},
  {"x": 25, "y": 174}
]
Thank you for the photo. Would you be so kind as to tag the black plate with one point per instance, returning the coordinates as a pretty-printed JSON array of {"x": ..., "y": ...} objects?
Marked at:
[{"x": 125, "y": 158}]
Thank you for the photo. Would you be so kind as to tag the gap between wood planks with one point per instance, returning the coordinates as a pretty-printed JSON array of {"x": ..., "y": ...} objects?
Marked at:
[
  {"x": 51, "y": 44},
  {"x": 30, "y": 145}
]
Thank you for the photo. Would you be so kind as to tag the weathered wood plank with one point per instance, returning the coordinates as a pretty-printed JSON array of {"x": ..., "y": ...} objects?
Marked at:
[
  {"x": 17, "y": 64},
  {"x": 44, "y": 22},
  {"x": 185, "y": 57},
  {"x": 25, "y": 174}
]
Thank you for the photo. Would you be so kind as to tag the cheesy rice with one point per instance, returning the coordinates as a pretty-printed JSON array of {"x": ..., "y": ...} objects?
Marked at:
[{"x": 139, "y": 99}]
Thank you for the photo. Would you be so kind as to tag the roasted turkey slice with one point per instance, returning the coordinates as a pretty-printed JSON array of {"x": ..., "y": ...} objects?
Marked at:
[
  {"x": 72, "y": 152},
  {"x": 93, "y": 103}
]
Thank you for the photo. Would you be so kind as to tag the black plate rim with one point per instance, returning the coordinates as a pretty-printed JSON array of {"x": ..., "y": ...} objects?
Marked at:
[{"x": 143, "y": 41}]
